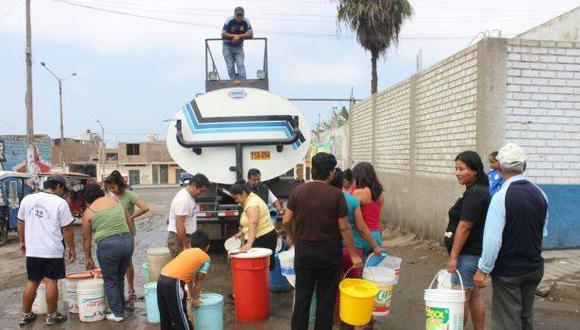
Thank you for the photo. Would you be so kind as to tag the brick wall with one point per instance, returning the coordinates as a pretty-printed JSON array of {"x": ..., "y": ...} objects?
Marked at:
[
  {"x": 543, "y": 107},
  {"x": 361, "y": 121},
  {"x": 445, "y": 113},
  {"x": 392, "y": 129}
]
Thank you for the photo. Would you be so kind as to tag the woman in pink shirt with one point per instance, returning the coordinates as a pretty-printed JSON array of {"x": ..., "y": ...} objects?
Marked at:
[{"x": 369, "y": 192}]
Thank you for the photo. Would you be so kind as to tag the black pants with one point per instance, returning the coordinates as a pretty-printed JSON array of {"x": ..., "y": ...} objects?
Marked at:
[
  {"x": 268, "y": 241},
  {"x": 172, "y": 303},
  {"x": 513, "y": 300},
  {"x": 317, "y": 264}
]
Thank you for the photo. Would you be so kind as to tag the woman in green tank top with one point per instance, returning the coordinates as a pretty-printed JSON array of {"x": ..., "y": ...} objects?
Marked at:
[
  {"x": 106, "y": 222},
  {"x": 115, "y": 184}
]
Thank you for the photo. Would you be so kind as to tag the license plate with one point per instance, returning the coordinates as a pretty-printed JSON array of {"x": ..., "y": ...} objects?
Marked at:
[{"x": 259, "y": 155}]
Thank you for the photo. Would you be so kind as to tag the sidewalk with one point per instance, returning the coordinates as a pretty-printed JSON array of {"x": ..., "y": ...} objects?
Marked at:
[{"x": 561, "y": 274}]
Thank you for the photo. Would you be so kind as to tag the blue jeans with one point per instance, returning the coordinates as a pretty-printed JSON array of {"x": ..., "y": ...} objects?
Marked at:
[
  {"x": 114, "y": 255},
  {"x": 467, "y": 266},
  {"x": 235, "y": 55}
]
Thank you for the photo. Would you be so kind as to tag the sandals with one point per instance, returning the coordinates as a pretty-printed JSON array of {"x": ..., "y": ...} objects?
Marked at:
[{"x": 132, "y": 295}]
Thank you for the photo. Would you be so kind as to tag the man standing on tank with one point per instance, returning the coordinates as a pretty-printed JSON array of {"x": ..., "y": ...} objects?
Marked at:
[
  {"x": 261, "y": 189},
  {"x": 235, "y": 30}
]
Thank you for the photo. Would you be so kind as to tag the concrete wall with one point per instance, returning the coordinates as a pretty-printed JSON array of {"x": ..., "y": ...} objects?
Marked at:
[
  {"x": 412, "y": 132},
  {"x": 565, "y": 27},
  {"x": 498, "y": 91},
  {"x": 148, "y": 152},
  {"x": 543, "y": 116},
  {"x": 76, "y": 151}
]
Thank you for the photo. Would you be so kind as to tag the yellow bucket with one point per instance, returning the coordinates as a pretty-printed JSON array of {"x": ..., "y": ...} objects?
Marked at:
[{"x": 357, "y": 301}]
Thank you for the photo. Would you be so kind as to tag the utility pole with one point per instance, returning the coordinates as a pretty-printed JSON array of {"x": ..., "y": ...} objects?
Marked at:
[
  {"x": 30, "y": 161},
  {"x": 60, "y": 80},
  {"x": 101, "y": 151}
]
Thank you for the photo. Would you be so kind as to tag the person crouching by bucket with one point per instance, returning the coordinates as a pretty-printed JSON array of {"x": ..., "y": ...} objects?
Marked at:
[
  {"x": 189, "y": 267},
  {"x": 317, "y": 213},
  {"x": 257, "y": 227},
  {"x": 108, "y": 223},
  {"x": 464, "y": 235}
]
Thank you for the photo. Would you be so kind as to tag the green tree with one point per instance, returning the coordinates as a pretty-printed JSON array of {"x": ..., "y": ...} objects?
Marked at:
[{"x": 377, "y": 24}]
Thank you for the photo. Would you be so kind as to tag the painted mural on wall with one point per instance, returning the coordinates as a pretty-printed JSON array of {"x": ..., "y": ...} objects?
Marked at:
[{"x": 15, "y": 153}]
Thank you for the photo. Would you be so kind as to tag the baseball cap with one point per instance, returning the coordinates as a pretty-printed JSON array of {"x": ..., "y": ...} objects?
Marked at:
[
  {"x": 238, "y": 10},
  {"x": 511, "y": 153},
  {"x": 185, "y": 178},
  {"x": 58, "y": 178}
]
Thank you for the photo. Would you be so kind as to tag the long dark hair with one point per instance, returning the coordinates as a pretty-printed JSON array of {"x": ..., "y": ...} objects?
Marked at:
[
  {"x": 365, "y": 177},
  {"x": 117, "y": 179},
  {"x": 92, "y": 192},
  {"x": 472, "y": 160},
  {"x": 338, "y": 178}
]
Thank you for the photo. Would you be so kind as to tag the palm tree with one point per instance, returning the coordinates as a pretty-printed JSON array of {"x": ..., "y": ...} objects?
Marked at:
[{"x": 377, "y": 24}]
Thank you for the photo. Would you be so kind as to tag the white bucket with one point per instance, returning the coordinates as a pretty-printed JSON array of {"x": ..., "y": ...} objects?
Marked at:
[
  {"x": 287, "y": 265},
  {"x": 384, "y": 278},
  {"x": 444, "y": 307},
  {"x": 70, "y": 289},
  {"x": 39, "y": 304},
  {"x": 91, "y": 300}
]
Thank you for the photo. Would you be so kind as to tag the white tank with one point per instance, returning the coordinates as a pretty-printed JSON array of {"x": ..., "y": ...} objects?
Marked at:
[{"x": 276, "y": 134}]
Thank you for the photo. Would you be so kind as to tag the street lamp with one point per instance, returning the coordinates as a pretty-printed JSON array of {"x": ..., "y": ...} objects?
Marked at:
[
  {"x": 60, "y": 80},
  {"x": 101, "y": 151}
]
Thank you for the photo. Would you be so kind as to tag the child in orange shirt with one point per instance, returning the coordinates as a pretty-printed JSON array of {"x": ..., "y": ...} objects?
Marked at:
[{"x": 189, "y": 267}]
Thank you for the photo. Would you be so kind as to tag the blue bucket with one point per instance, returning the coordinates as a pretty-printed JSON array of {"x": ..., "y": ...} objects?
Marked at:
[
  {"x": 151, "y": 303},
  {"x": 146, "y": 271},
  {"x": 278, "y": 282},
  {"x": 210, "y": 316}
]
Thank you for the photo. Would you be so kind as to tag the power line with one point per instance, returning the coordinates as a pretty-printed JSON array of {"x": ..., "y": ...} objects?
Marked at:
[
  {"x": 275, "y": 32},
  {"x": 10, "y": 9}
]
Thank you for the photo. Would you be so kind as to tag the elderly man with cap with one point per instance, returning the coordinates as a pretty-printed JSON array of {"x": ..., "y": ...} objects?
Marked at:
[
  {"x": 512, "y": 243},
  {"x": 44, "y": 218},
  {"x": 235, "y": 30},
  {"x": 182, "y": 220}
]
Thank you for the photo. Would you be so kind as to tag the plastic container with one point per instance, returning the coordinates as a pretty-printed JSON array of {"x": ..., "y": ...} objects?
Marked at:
[
  {"x": 287, "y": 265},
  {"x": 388, "y": 261},
  {"x": 444, "y": 307},
  {"x": 151, "y": 303},
  {"x": 250, "y": 272},
  {"x": 70, "y": 292},
  {"x": 157, "y": 257},
  {"x": 146, "y": 271},
  {"x": 97, "y": 273},
  {"x": 384, "y": 278},
  {"x": 91, "y": 300},
  {"x": 357, "y": 301},
  {"x": 39, "y": 304},
  {"x": 278, "y": 283},
  {"x": 232, "y": 244},
  {"x": 210, "y": 316}
]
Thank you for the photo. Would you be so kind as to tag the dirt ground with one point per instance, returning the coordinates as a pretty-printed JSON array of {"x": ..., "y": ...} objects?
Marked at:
[{"x": 420, "y": 263}]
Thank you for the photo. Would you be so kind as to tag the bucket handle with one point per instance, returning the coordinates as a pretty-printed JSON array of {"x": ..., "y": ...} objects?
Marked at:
[
  {"x": 458, "y": 274},
  {"x": 385, "y": 253},
  {"x": 348, "y": 271}
]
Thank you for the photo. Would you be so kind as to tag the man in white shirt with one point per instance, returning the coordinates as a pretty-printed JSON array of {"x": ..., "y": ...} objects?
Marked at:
[
  {"x": 262, "y": 190},
  {"x": 44, "y": 218},
  {"x": 182, "y": 220}
]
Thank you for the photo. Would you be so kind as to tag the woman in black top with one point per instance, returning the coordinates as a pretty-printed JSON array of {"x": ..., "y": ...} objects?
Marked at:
[{"x": 464, "y": 235}]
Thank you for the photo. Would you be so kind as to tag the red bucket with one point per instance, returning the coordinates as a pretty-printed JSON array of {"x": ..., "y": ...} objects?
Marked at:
[{"x": 251, "y": 284}]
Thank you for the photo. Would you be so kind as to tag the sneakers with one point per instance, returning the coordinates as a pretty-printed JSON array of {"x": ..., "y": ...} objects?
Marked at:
[
  {"x": 112, "y": 317},
  {"x": 52, "y": 319},
  {"x": 27, "y": 318}
]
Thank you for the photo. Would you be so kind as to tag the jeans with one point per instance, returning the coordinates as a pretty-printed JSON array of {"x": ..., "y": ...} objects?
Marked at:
[
  {"x": 114, "y": 255},
  {"x": 513, "y": 300},
  {"x": 467, "y": 266},
  {"x": 318, "y": 266},
  {"x": 234, "y": 55}
]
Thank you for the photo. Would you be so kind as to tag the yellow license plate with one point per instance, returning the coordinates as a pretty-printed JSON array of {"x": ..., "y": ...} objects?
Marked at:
[{"x": 259, "y": 155}]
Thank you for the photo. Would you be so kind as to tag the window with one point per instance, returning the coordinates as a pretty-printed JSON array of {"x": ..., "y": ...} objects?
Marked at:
[{"x": 132, "y": 149}]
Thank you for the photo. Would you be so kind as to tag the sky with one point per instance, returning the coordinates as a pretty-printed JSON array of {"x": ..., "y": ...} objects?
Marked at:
[{"x": 135, "y": 72}]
